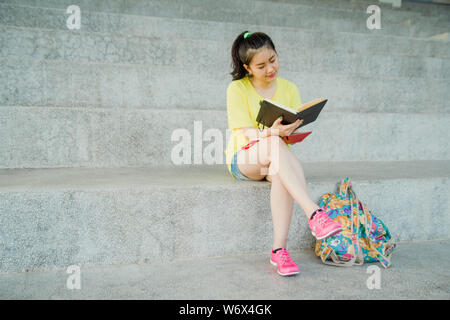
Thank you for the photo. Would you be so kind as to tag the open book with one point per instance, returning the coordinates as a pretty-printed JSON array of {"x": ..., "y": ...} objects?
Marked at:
[{"x": 271, "y": 110}]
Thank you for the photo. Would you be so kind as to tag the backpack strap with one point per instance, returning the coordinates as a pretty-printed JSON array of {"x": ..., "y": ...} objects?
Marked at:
[
  {"x": 345, "y": 184},
  {"x": 385, "y": 261},
  {"x": 339, "y": 263},
  {"x": 358, "y": 258}
]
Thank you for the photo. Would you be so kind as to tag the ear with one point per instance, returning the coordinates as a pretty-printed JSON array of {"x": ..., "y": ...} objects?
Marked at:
[{"x": 247, "y": 68}]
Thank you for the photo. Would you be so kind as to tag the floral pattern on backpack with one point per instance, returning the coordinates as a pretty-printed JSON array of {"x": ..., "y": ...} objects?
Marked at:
[{"x": 364, "y": 238}]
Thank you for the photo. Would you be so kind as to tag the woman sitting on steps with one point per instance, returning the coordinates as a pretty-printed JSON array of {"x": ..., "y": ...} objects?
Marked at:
[{"x": 267, "y": 156}]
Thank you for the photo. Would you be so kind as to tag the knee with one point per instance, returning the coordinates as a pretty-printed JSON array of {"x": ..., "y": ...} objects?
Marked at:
[{"x": 269, "y": 147}]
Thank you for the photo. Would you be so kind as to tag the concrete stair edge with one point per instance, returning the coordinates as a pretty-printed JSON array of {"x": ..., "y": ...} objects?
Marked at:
[
  {"x": 357, "y": 6},
  {"x": 76, "y": 138},
  {"x": 405, "y": 28},
  {"x": 87, "y": 48},
  {"x": 179, "y": 24},
  {"x": 245, "y": 276},
  {"x": 118, "y": 222}
]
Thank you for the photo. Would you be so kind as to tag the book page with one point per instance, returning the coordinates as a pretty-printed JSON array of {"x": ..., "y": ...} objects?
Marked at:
[
  {"x": 310, "y": 104},
  {"x": 281, "y": 106}
]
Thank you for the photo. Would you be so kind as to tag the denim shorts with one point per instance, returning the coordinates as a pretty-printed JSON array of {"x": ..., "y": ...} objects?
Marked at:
[{"x": 235, "y": 170}]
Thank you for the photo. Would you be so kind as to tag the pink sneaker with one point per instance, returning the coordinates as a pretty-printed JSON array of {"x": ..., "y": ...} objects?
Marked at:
[
  {"x": 282, "y": 260},
  {"x": 322, "y": 226}
]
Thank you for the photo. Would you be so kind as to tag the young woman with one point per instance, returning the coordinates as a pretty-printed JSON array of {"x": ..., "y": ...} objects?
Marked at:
[{"x": 253, "y": 154}]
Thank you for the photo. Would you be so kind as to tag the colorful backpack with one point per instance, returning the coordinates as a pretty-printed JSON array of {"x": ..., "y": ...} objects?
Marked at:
[{"x": 364, "y": 237}]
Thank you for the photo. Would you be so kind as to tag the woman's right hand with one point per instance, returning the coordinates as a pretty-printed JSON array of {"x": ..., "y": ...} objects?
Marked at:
[{"x": 285, "y": 130}]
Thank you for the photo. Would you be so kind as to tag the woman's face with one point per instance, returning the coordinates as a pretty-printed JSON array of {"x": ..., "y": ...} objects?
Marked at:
[{"x": 264, "y": 65}]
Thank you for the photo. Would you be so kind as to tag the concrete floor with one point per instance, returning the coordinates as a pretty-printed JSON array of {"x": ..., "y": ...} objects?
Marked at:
[{"x": 419, "y": 271}]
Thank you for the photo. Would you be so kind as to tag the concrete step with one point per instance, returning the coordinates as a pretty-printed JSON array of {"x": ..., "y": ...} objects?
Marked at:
[
  {"x": 172, "y": 28},
  {"x": 409, "y": 24},
  {"x": 25, "y": 43},
  {"x": 146, "y": 7},
  {"x": 108, "y": 85},
  {"x": 41, "y": 137},
  {"x": 59, "y": 217},
  {"x": 407, "y": 9},
  {"x": 247, "y": 276}
]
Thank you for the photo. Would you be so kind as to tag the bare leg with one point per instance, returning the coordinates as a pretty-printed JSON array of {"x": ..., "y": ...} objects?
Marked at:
[
  {"x": 298, "y": 170},
  {"x": 281, "y": 205},
  {"x": 273, "y": 154},
  {"x": 291, "y": 181}
]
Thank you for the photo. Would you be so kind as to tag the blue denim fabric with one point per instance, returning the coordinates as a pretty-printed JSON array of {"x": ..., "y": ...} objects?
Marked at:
[{"x": 235, "y": 170}]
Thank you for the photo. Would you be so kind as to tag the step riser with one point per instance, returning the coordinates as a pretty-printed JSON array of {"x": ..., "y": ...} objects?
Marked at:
[
  {"x": 48, "y": 83},
  {"x": 166, "y": 28},
  {"x": 51, "y": 137},
  {"x": 285, "y": 15},
  {"x": 408, "y": 9},
  {"x": 65, "y": 46},
  {"x": 42, "y": 230}
]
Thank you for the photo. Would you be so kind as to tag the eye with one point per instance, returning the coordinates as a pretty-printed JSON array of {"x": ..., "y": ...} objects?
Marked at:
[{"x": 271, "y": 61}]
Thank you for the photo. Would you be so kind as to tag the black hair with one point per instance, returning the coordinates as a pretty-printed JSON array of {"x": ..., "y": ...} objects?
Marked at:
[{"x": 241, "y": 53}]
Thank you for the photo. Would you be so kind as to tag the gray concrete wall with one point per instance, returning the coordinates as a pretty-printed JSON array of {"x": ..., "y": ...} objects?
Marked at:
[{"x": 102, "y": 102}]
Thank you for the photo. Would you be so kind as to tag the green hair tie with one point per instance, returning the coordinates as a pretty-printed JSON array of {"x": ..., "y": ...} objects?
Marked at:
[{"x": 246, "y": 35}]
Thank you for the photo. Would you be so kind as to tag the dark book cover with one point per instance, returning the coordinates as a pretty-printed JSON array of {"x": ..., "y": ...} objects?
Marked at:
[{"x": 271, "y": 110}]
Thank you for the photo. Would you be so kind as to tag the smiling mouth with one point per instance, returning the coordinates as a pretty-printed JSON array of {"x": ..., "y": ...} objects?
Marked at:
[{"x": 271, "y": 75}]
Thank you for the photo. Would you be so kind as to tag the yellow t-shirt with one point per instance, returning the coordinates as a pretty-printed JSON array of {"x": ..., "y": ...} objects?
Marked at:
[{"x": 243, "y": 107}]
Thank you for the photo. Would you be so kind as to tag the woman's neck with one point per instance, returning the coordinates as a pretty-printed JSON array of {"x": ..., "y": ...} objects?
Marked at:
[{"x": 263, "y": 85}]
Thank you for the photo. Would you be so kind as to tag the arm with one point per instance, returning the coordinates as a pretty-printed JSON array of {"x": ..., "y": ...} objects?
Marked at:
[{"x": 277, "y": 129}]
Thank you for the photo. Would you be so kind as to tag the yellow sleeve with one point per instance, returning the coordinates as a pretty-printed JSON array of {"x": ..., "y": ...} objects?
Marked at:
[
  {"x": 238, "y": 113},
  {"x": 296, "y": 102}
]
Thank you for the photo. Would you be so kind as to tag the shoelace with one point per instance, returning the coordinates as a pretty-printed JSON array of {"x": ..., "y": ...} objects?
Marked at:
[
  {"x": 285, "y": 257},
  {"x": 323, "y": 219}
]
